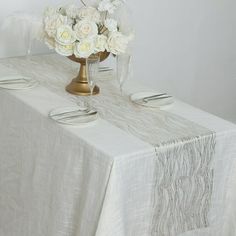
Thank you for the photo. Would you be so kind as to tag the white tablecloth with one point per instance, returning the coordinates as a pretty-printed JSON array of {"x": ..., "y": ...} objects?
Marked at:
[{"x": 137, "y": 171}]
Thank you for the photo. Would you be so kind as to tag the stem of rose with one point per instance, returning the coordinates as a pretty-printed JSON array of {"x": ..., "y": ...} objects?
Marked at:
[
  {"x": 103, "y": 30},
  {"x": 83, "y": 2}
]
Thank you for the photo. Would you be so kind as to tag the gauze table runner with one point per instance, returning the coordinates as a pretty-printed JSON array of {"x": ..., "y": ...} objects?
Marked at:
[{"x": 164, "y": 185}]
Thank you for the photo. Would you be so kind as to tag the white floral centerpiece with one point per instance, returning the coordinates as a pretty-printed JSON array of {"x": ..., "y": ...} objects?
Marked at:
[
  {"x": 79, "y": 32},
  {"x": 84, "y": 30}
]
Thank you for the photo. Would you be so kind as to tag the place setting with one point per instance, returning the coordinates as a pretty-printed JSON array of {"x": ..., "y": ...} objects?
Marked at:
[
  {"x": 83, "y": 112},
  {"x": 17, "y": 82},
  {"x": 73, "y": 115},
  {"x": 152, "y": 99},
  {"x": 148, "y": 99}
]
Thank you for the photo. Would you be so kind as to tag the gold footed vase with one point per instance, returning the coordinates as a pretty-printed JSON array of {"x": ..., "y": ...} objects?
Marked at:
[{"x": 79, "y": 85}]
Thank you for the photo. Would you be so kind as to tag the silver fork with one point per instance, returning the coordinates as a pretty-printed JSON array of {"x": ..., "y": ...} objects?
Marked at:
[
  {"x": 146, "y": 100},
  {"x": 12, "y": 81},
  {"x": 105, "y": 68},
  {"x": 156, "y": 95},
  {"x": 77, "y": 116},
  {"x": 71, "y": 112}
]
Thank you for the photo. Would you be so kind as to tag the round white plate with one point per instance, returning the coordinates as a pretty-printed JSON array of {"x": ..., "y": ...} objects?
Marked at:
[
  {"x": 73, "y": 115},
  {"x": 105, "y": 75},
  {"x": 27, "y": 82},
  {"x": 158, "y": 103}
]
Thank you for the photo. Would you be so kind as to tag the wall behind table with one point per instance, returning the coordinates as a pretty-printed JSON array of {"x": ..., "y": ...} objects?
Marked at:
[
  {"x": 185, "y": 47},
  {"x": 188, "y": 48},
  {"x": 15, "y": 46}
]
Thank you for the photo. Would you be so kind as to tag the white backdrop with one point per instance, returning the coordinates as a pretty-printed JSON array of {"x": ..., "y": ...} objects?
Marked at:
[{"x": 185, "y": 47}]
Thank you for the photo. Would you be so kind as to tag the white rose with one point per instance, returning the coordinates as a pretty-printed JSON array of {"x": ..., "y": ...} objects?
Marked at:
[
  {"x": 72, "y": 11},
  {"x": 111, "y": 25},
  {"x": 109, "y": 5},
  {"x": 117, "y": 43},
  {"x": 90, "y": 14},
  {"x": 101, "y": 43},
  {"x": 64, "y": 50},
  {"x": 84, "y": 48},
  {"x": 85, "y": 29},
  {"x": 65, "y": 35},
  {"x": 51, "y": 23}
]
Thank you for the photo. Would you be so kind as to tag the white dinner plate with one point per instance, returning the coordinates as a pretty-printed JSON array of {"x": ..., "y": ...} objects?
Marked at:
[
  {"x": 158, "y": 103},
  {"x": 105, "y": 75},
  {"x": 73, "y": 115},
  {"x": 6, "y": 82}
]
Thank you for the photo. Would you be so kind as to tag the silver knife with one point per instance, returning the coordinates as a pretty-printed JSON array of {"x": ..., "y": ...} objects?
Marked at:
[
  {"x": 141, "y": 100},
  {"x": 156, "y": 95},
  {"x": 71, "y": 112},
  {"x": 77, "y": 116},
  {"x": 13, "y": 82},
  {"x": 155, "y": 98},
  {"x": 105, "y": 69}
]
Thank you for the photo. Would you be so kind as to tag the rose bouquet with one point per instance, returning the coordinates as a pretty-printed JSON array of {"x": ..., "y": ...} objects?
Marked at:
[{"x": 85, "y": 30}]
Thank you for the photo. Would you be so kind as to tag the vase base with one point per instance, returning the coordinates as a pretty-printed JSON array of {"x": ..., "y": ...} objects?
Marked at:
[{"x": 81, "y": 89}]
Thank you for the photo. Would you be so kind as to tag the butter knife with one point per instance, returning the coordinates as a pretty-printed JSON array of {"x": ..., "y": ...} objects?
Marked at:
[
  {"x": 155, "y": 98},
  {"x": 105, "y": 69},
  {"x": 77, "y": 116},
  {"x": 13, "y": 81},
  {"x": 156, "y": 95},
  {"x": 71, "y": 112},
  {"x": 142, "y": 100}
]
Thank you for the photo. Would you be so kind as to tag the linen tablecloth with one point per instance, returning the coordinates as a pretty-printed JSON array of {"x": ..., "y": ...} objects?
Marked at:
[{"x": 137, "y": 171}]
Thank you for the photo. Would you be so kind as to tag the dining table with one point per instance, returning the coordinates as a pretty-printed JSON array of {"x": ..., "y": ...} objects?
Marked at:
[{"x": 135, "y": 171}]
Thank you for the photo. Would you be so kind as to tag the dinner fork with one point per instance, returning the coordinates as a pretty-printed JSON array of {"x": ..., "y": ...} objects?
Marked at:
[
  {"x": 77, "y": 116},
  {"x": 12, "y": 81},
  {"x": 155, "y": 95},
  {"x": 71, "y": 112},
  {"x": 104, "y": 69},
  {"x": 146, "y": 100}
]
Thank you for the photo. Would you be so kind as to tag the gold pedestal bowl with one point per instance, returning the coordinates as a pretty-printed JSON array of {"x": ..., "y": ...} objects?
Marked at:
[{"x": 79, "y": 85}]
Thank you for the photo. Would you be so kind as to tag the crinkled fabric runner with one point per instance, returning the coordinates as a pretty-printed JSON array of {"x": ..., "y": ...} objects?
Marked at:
[
  {"x": 183, "y": 176},
  {"x": 183, "y": 186}
]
